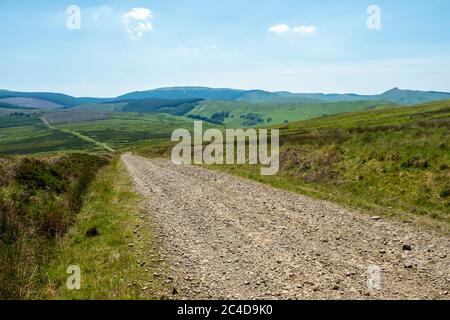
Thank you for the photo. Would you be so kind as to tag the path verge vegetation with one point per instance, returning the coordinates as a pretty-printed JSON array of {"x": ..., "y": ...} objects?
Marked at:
[
  {"x": 39, "y": 201},
  {"x": 113, "y": 245}
]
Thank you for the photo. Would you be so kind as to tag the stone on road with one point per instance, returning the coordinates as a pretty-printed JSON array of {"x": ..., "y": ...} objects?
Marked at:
[{"x": 227, "y": 237}]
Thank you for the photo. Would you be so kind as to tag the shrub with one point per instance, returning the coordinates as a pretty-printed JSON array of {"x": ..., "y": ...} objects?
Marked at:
[
  {"x": 445, "y": 192},
  {"x": 37, "y": 206}
]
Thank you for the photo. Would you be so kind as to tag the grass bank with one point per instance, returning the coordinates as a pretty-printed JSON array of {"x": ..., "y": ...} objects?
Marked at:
[
  {"x": 112, "y": 244},
  {"x": 39, "y": 201}
]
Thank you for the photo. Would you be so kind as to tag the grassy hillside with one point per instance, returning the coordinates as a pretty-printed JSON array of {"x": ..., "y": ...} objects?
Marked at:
[
  {"x": 5, "y": 105},
  {"x": 122, "y": 130},
  {"x": 240, "y": 114},
  {"x": 22, "y": 134},
  {"x": 100, "y": 107},
  {"x": 173, "y": 106},
  {"x": 394, "y": 95},
  {"x": 185, "y": 93},
  {"x": 28, "y": 135},
  {"x": 70, "y": 115},
  {"x": 58, "y": 98},
  {"x": 16, "y": 111},
  {"x": 31, "y": 103},
  {"x": 394, "y": 159},
  {"x": 55, "y": 98}
]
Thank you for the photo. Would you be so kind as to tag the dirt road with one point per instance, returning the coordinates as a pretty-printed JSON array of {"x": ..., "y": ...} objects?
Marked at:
[{"x": 226, "y": 237}]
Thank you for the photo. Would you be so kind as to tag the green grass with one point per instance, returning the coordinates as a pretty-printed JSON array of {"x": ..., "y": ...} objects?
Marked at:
[
  {"x": 39, "y": 199},
  {"x": 279, "y": 113},
  {"x": 110, "y": 268},
  {"x": 123, "y": 130},
  {"x": 100, "y": 107},
  {"x": 28, "y": 135}
]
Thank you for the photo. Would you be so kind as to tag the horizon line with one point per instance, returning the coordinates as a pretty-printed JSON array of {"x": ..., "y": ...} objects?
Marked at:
[{"x": 222, "y": 88}]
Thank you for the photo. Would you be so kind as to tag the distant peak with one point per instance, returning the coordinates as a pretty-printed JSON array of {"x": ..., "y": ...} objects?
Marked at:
[{"x": 395, "y": 89}]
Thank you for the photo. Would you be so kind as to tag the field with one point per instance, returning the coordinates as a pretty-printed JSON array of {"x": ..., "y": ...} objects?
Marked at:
[
  {"x": 239, "y": 113},
  {"x": 69, "y": 116},
  {"x": 28, "y": 135},
  {"x": 96, "y": 126},
  {"x": 122, "y": 130}
]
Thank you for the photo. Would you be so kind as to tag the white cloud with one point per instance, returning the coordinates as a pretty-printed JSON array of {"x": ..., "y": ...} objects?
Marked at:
[
  {"x": 304, "y": 30},
  {"x": 137, "y": 22},
  {"x": 211, "y": 47},
  {"x": 280, "y": 29}
]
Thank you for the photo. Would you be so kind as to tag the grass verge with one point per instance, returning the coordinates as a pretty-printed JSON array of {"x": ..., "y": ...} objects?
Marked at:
[
  {"x": 112, "y": 244},
  {"x": 39, "y": 200}
]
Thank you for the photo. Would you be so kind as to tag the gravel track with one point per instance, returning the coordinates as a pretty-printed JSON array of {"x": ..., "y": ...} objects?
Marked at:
[{"x": 227, "y": 237}]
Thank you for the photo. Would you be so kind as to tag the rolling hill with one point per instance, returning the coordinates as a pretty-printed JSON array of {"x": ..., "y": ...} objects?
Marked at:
[
  {"x": 170, "y": 106},
  {"x": 184, "y": 93},
  {"x": 394, "y": 95},
  {"x": 31, "y": 103},
  {"x": 56, "y": 100},
  {"x": 239, "y": 113},
  {"x": 62, "y": 100}
]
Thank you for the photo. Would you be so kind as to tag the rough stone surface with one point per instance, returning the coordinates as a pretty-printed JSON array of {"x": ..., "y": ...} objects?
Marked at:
[{"x": 227, "y": 237}]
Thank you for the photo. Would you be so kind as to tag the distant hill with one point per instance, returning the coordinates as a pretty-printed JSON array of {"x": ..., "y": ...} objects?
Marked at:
[
  {"x": 5, "y": 105},
  {"x": 413, "y": 96},
  {"x": 241, "y": 114},
  {"x": 185, "y": 93},
  {"x": 73, "y": 115},
  {"x": 58, "y": 98},
  {"x": 31, "y": 103},
  {"x": 174, "y": 107},
  {"x": 63, "y": 100},
  {"x": 394, "y": 95}
]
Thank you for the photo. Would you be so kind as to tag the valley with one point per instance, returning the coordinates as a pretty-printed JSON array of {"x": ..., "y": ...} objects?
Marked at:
[{"x": 136, "y": 118}]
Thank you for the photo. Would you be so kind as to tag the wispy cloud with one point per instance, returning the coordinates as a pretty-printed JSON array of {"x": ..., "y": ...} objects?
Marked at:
[
  {"x": 137, "y": 22},
  {"x": 280, "y": 29}
]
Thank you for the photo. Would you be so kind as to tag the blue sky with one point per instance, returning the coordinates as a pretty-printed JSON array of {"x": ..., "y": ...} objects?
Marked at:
[{"x": 326, "y": 45}]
